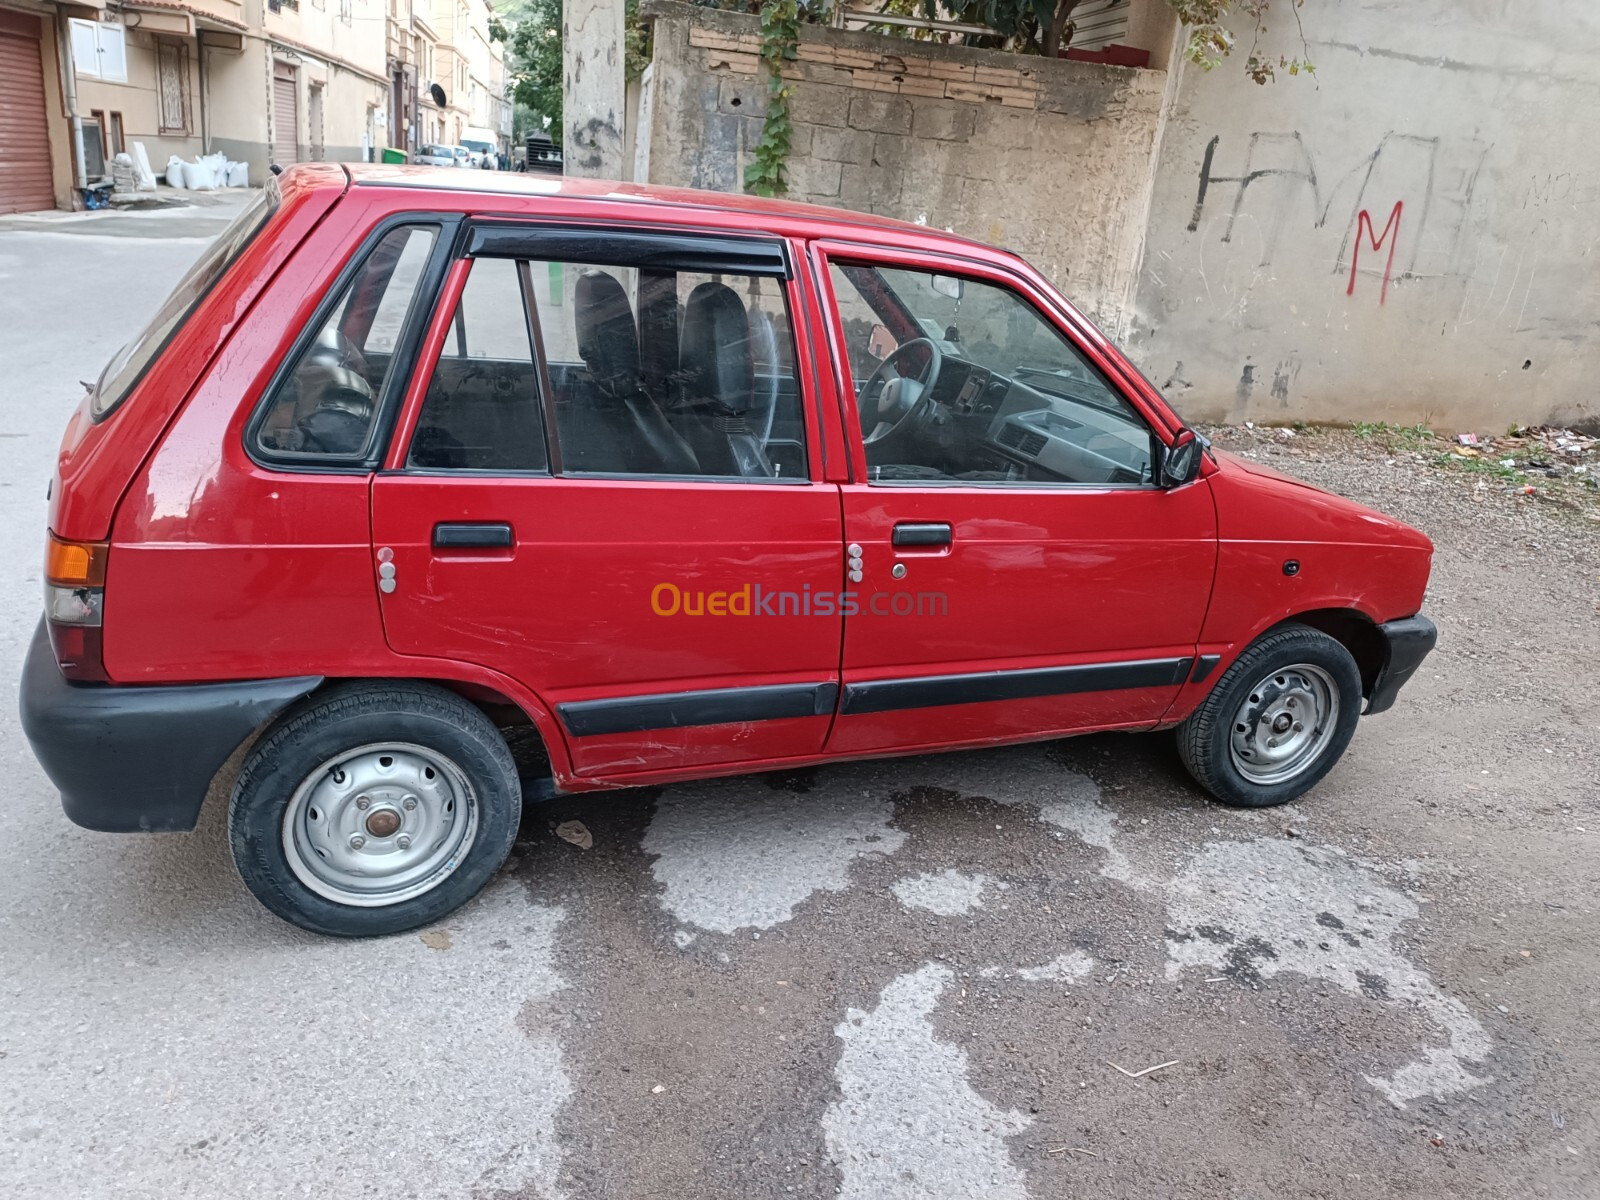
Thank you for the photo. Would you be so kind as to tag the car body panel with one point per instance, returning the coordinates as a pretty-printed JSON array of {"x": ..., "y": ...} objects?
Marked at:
[
  {"x": 97, "y": 459},
  {"x": 1033, "y": 577}
]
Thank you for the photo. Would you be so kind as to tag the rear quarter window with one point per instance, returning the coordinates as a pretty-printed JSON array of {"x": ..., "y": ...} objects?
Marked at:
[{"x": 129, "y": 364}]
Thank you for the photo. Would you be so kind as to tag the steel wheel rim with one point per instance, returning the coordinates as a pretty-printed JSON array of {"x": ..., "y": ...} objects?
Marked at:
[
  {"x": 380, "y": 824},
  {"x": 1286, "y": 721}
]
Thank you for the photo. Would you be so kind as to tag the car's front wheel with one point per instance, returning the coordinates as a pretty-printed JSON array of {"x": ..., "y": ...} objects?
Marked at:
[
  {"x": 1277, "y": 720},
  {"x": 374, "y": 808}
]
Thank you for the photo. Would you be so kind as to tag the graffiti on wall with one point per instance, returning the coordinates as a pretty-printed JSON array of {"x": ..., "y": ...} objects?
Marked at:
[
  {"x": 1390, "y": 234},
  {"x": 1278, "y": 192}
]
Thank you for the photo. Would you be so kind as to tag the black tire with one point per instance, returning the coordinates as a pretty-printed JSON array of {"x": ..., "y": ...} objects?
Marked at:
[
  {"x": 342, "y": 719},
  {"x": 1205, "y": 738}
]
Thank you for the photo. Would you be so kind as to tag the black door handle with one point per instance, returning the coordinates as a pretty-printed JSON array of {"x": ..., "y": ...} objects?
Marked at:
[
  {"x": 921, "y": 534},
  {"x": 471, "y": 535}
]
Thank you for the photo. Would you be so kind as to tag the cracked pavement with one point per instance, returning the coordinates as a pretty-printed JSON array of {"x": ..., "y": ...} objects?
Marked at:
[{"x": 909, "y": 978}]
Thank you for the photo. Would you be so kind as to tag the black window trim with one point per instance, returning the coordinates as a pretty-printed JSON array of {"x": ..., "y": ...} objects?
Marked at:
[
  {"x": 402, "y": 362},
  {"x": 729, "y": 253}
]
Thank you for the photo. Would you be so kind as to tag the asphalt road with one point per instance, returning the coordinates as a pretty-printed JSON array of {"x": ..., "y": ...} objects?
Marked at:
[{"x": 933, "y": 977}]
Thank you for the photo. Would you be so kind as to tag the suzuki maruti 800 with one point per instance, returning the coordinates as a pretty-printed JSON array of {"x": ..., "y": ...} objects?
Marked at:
[{"x": 673, "y": 484}]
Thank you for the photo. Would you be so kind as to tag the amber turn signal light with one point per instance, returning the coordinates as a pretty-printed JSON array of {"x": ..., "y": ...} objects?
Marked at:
[{"x": 75, "y": 564}]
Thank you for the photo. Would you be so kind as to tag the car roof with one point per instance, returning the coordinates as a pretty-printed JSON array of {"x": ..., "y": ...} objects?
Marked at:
[{"x": 646, "y": 196}]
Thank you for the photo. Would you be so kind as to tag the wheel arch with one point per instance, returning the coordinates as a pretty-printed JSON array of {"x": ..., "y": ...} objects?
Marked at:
[
  {"x": 503, "y": 705},
  {"x": 1353, "y": 630}
]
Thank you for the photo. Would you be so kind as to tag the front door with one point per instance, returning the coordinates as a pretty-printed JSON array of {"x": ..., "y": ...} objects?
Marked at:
[
  {"x": 602, "y": 486},
  {"x": 1019, "y": 571}
]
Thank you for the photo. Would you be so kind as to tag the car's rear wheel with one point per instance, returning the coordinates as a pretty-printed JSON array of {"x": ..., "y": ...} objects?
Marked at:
[
  {"x": 374, "y": 808},
  {"x": 1277, "y": 720}
]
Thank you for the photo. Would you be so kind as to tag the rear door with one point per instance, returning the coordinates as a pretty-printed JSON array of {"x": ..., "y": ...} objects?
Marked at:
[
  {"x": 554, "y": 508},
  {"x": 1019, "y": 572}
]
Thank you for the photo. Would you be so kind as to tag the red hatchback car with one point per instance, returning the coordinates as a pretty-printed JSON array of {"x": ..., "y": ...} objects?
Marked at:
[{"x": 672, "y": 484}]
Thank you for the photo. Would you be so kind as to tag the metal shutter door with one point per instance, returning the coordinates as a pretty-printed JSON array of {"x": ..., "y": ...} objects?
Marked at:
[
  {"x": 285, "y": 115},
  {"x": 24, "y": 132},
  {"x": 1100, "y": 23}
]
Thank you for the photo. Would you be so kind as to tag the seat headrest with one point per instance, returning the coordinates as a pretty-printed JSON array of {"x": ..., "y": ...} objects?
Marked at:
[
  {"x": 714, "y": 356},
  {"x": 608, "y": 339},
  {"x": 333, "y": 349}
]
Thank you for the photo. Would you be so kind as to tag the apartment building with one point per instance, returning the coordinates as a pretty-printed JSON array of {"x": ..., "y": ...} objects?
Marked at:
[
  {"x": 262, "y": 81},
  {"x": 447, "y": 76}
]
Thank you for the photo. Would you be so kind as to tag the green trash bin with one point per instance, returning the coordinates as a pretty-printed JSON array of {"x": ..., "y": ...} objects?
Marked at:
[{"x": 391, "y": 155}]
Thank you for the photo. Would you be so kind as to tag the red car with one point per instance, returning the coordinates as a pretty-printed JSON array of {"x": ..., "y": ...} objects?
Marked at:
[{"x": 671, "y": 484}]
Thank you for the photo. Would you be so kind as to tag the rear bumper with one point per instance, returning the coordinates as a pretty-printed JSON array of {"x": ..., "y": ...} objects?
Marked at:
[
  {"x": 1409, "y": 642},
  {"x": 139, "y": 758}
]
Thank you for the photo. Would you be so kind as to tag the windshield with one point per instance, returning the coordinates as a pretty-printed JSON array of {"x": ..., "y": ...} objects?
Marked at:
[
  {"x": 990, "y": 326},
  {"x": 129, "y": 364},
  {"x": 480, "y": 147}
]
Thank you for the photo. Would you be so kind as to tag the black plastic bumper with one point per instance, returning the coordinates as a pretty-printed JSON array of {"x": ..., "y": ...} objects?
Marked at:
[
  {"x": 1409, "y": 641},
  {"x": 139, "y": 758}
]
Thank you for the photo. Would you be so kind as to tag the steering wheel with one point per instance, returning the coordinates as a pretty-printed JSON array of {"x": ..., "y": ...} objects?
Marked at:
[{"x": 885, "y": 404}]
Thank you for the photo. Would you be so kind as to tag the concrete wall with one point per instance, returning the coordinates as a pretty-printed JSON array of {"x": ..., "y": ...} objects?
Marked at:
[
  {"x": 239, "y": 96},
  {"x": 1459, "y": 136},
  {"x": 1052, "y": 157}
]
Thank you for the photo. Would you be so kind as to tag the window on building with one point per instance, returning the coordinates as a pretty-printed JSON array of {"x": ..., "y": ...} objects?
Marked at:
[
  {"x": 172, "y": 86},
  {"x": 327, "y": 408},
  {"x": 99, "y": 50}
]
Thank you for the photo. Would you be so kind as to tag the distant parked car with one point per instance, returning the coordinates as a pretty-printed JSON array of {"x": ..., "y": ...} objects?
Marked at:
[
  {"x": 464, "y": 157},
  {"x": 481, "y": 151},
  {"x": 656, "y": 485},
  {"x": 437, "y": 156}
]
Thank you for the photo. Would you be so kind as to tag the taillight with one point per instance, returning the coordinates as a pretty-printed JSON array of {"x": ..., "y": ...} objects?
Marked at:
[{"x": 74, "y": 598}]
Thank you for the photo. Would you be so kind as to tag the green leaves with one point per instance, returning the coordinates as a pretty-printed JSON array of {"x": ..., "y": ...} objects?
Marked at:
[
  {"x": 764, "y": 174},
  {"x": 1210, "y": 42}
]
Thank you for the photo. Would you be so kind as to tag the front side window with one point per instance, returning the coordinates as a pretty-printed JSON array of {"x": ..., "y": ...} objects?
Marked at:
[
  {"x": 634, "y": 371},
  {"x": 960, "y": 380},
  {"x": 326, "y": 409}
]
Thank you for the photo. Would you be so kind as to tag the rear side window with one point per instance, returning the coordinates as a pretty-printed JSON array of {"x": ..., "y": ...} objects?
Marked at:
[
  {"x": 482, "y": 410},
  {"x": 589, "y": 369},
  {"x": 325, "y": 410},
  {"x": 129, "y": 364}
]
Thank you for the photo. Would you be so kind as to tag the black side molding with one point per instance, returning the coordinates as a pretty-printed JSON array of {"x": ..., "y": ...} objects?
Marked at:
[
  {"x": 455, "y": 535},
  {"x": 931, "y": 691},
  {"x": 132, "y": 758},
  {"x": 1410, "y": 640},
  {"x": 1203, "y": 666},
  {"x": 718, "y": 706}
]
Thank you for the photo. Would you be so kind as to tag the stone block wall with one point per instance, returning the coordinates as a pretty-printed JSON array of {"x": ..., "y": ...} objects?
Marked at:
[{"x": 1051, "y": 158}]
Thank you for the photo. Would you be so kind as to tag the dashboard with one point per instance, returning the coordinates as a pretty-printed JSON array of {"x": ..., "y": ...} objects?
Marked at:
[{"x": 1035, "y": 426}]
